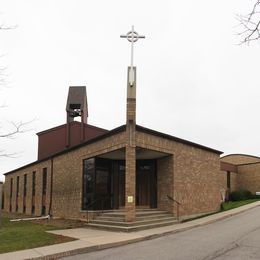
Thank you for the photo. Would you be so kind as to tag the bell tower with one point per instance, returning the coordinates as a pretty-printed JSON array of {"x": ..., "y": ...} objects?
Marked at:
[{"x": 77, "y": 106}]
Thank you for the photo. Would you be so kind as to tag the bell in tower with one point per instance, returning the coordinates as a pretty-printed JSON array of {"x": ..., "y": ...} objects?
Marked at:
[{"x": 77, "y": 106}]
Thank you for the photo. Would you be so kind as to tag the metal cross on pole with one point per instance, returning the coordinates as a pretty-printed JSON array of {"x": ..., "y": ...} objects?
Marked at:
[{"x": 132, "y": 37}]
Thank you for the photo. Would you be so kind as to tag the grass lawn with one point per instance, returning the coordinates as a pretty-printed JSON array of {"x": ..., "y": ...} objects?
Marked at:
[
  {"x": 235, "y": 204},
  {"x": 26, "y": 234},
  {"x": 225, "y": 206}
]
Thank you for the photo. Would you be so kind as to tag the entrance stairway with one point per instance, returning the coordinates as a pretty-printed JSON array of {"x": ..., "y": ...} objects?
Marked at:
[{"x": 145, "y": 219}]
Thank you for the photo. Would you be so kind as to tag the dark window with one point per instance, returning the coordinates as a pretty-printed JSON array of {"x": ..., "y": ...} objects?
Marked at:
[
  {"x": 44, "y": 181},
  {"x": 43, "y": 210},
  {"x": 11, "y": 188},
  {"x": 11, "y": 195},
  {"x": 25, "y": 185},
  {"x": 33, "y": 191},
  {"x": 88, "y": 182},
  {"x": 33, "y": 183},
  {"x": 75, "y": 106},
  {"x": 17, "y": 191},
  {"x": 24, "y": 192},
  {"x": 228, "y": 180},
  {"x": 96, "y": 184},
  {"x": 17, "y": 186}
]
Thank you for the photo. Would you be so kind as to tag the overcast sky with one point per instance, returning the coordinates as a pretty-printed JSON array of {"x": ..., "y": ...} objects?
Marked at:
[{"x": 193, "y": 80}]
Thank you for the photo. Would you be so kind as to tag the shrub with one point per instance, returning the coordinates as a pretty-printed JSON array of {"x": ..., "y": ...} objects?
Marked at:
[{"x": 240, "y": 195}]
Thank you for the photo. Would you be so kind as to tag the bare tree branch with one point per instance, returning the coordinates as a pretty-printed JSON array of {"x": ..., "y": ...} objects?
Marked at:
[
  {"x": 8, "y": 155},
  {"x": 250, "y": 25},
  {"x": 18, "y": 128}
]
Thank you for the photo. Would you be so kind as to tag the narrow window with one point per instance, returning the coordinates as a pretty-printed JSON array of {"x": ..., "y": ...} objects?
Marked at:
[
  {"x": 228, "y": 181},
  {"x": 33, "y": 183},
  {"x": 24, "y": 192},
  {"x": 25, "y": 185},
  {"x": 88, "y": 183},
  {"x": 44, "y": 189},
  {"x": 11, "y": 188},
  {"x": 44, "y": 181},
  {"x": 11, "y": 195},
  {"x": 17, "y": 191},
  {"x": 33, "y": 192}
]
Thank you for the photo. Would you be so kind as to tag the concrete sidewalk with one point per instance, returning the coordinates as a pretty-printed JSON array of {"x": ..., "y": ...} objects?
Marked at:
[{"x": 91, "y": 239}]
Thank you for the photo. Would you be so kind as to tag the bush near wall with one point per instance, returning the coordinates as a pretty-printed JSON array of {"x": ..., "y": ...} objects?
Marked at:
[{"x": 241, "y": 195}]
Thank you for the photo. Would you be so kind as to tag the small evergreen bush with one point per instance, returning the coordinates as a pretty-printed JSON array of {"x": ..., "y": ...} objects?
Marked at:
[{"x": 240, "y": 195}]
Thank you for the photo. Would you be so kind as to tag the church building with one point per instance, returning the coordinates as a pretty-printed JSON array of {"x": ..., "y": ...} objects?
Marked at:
[{"x": 83, "y": 170}]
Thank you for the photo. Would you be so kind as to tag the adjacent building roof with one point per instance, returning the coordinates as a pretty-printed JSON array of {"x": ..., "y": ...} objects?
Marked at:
[{"x": 240, "y": 159}]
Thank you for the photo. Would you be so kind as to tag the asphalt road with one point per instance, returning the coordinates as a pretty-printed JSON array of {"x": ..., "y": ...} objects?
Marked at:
[{"x": 234, "y": 238}]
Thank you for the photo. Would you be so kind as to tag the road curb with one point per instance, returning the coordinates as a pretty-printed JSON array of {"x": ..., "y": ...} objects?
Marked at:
[{"x": 135, "y": 240}]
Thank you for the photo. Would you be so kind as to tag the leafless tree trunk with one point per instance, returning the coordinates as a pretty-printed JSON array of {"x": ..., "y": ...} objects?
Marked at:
[{"x": 250, "y": 25}]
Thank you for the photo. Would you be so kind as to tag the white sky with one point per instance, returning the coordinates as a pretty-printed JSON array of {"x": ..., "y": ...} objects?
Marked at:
[{"x": 193, "y": 80}]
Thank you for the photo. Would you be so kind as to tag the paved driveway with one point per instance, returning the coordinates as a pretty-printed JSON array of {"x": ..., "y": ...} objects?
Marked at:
[{"x": 237, "y": 238}]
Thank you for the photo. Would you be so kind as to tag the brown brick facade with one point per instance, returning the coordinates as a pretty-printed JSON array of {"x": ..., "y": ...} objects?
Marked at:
[
  {"x": 249, "y": 177},
  {"x": 196, "y": 174},
  {"x": 248, "y": 172},
  {"x": 165, "y": 183},
  {"x": 189, "y": 174},
  {"x": 11, "y": 202}
]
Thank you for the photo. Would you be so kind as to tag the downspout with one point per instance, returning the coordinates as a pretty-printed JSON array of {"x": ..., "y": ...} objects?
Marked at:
[{"x": 50, "y": 205}]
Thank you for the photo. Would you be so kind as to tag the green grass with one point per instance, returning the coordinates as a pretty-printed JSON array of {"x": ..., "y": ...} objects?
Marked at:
[
  {"x": 224, "y": 207},
  {"x": 235, "y": 204},
  {"x": 24, "y": 235}
]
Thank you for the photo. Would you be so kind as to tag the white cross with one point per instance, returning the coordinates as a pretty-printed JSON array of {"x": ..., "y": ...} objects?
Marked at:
[{"x": 132, "y": 37}]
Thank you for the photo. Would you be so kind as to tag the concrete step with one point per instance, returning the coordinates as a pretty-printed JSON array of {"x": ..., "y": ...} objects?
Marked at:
[
  {"x": 135, "y": 223},
  {"x": 143, "y": 213},
  {"x": 145, "y": 219},
  {"x": 132, "y": 228},
  {"x": 120, "y": 218}
]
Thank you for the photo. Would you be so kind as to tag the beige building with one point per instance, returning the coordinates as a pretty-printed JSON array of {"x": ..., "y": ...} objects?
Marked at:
[
  {"x": 83, "y": 169},
  {"x": 243, "y": 172}
]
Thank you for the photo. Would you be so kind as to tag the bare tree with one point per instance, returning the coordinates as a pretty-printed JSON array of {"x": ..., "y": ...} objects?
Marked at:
[
  {"x": 250, "y": 24},
  {"x": 16, "y": 127}
]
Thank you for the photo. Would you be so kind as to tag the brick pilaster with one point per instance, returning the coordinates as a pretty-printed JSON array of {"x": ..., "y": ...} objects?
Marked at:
[{"x": 130, "y": 155}]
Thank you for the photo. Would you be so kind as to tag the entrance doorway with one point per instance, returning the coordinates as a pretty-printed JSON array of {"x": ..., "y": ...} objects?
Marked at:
[
  {"x": 104, "y": 184},
  {"x": 146, "y": 184}
]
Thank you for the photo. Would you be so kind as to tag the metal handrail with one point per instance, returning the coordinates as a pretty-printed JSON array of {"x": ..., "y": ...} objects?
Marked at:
[{"x": 177, "y": 202}]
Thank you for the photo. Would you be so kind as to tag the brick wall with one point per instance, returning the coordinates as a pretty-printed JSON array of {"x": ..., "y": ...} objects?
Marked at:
[
  {"x": 165, "y": 183},
  {"x": 38, "y": 168},
  {"x": 197, "y": 177},
  {"x": 191, "y": 175},
  {"x": 249, "y": 177},
  {"x": 67, "y": 177}
]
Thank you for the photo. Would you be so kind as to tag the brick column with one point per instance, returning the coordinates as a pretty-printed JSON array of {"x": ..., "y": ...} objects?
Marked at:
[
  {"x": 130, "y": 155},
  {"x": 130, "y": 184}
]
